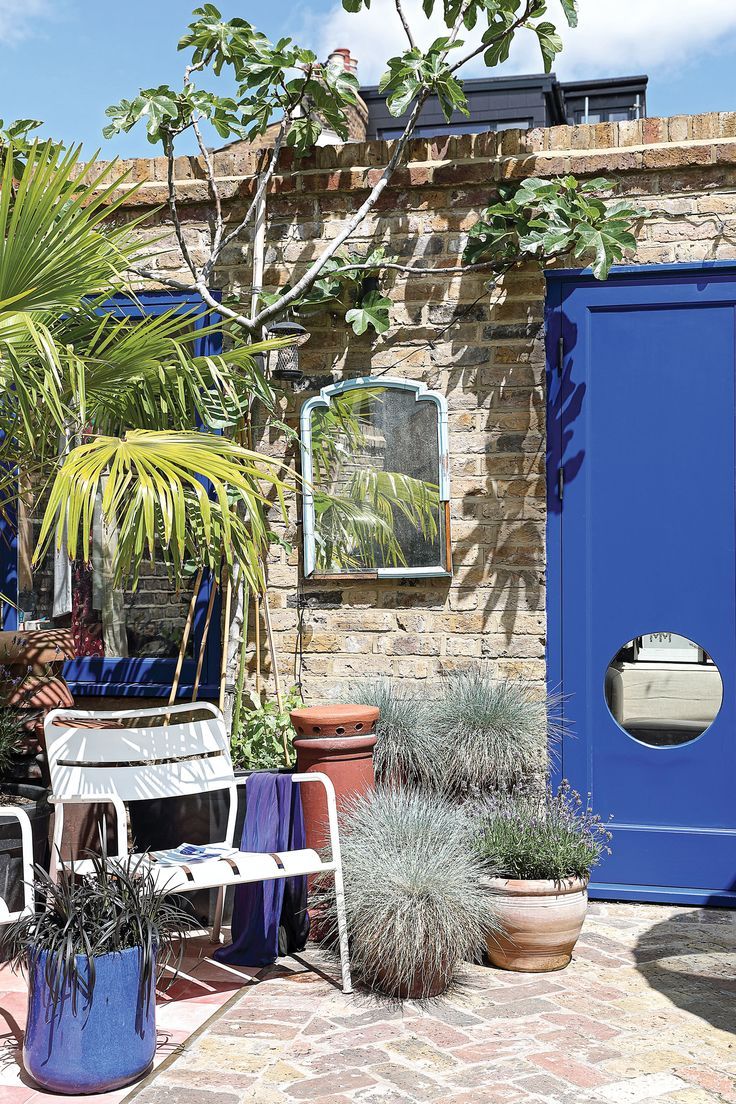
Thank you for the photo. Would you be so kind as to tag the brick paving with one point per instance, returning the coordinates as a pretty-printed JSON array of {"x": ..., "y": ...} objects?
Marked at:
[{"x": 644, "y": 1013}]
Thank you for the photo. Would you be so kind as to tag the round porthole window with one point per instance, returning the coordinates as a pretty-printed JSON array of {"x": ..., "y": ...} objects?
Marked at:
[{"x": 663, "y": 689}]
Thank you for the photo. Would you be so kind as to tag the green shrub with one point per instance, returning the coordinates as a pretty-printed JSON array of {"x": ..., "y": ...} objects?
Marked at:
[
  {"x": 409, "y": 750},
  {"x": 543, "y": 836},
  {"x": 258, "y": 743},
  {"x": 495, "y": 731},
  {"x": 416, "y": 899}
]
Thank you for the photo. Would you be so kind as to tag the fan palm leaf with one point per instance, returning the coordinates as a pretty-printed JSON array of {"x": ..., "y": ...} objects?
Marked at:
[
  {"x": 54, "y": 249},
  {"x": 148, "y": 482}
]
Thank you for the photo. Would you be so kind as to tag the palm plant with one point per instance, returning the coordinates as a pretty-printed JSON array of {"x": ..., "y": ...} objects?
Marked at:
[{"x": 121, "y": 395}]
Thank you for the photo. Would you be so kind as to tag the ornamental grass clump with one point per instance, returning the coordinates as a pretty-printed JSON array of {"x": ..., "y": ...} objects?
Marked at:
[
  {"x": 548, "y": 836},
  {"x": 114, "y": 908},
  {"x": 409, "y": 750},
  {"x": 496, "y": 731},
  {"x": 416, "y": 896}
]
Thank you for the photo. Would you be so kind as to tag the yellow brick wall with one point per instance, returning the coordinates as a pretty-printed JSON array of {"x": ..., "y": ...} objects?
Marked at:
[{"x": 490, "y": 365}]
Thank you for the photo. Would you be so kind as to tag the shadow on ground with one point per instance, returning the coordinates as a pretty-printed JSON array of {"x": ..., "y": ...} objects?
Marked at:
[{"x": 691, "y": 959}]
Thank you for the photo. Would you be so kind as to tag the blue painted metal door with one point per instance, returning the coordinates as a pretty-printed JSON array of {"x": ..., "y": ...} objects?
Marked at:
[{"x": 641, "y": 539}]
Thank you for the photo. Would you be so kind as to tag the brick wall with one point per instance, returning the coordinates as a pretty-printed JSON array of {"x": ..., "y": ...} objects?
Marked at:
[{"x": 489, "y": 364}]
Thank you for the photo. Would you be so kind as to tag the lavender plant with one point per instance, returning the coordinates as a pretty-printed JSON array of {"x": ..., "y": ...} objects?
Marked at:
[
  {"x": 552, "y": 835},
  {"x": 11, "y": 733}
]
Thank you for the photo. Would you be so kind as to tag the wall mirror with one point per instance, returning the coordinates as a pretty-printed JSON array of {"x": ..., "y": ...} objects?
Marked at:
[{"x": 377, "y": 487}]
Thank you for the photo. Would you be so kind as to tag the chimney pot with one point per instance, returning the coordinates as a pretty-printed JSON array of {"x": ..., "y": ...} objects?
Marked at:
[{"x": 344, "y": 59}]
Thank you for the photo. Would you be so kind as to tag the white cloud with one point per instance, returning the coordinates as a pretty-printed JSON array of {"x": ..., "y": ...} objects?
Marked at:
[
  {"x": 18, "y": 19},
  {"x": 614, "y": 37}
]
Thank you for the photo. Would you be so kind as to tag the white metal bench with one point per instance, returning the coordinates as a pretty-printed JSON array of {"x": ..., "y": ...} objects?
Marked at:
[
  {"x": 91, "y": 760},
  {"x": 26, "y": 836}
]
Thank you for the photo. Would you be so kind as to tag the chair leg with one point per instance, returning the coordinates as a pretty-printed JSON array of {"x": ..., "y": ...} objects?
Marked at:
[
  {"x": 342, "y": 931},
  {"x": 217, "y": 923}
]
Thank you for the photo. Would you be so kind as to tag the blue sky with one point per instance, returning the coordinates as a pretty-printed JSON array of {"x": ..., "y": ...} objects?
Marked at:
[{"x": 64, "y": 61}]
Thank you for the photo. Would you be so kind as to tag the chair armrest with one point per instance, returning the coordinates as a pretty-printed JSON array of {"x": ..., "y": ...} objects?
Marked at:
[
  {"x": 26, "y": 836},
  {"x": 316, "y": 776}
]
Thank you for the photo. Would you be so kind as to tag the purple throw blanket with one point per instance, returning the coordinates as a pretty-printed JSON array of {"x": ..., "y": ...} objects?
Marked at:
[{"x": 273, "y": 822}]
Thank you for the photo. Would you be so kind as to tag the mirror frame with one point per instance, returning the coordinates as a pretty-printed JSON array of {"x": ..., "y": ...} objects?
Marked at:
[{"x": 322, "y": 401}]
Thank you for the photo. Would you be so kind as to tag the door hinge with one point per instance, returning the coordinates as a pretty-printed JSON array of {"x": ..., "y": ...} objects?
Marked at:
[
  {"x": 561, "y": 482},
  {"x": 560, "y": 354}
]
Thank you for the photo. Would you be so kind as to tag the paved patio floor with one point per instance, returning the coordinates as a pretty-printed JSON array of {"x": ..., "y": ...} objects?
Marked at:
[{"x": 646, "y": 1012}]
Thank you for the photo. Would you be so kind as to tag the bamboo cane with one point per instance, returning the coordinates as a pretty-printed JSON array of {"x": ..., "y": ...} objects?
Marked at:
[
  {"x": 225, "y": 636},
  {"x": 275, "y": 668},
  {"x": 185, "y": 639},
  {"x": 240, "y": 681},
  {"x": 257, "y": 629},
  {"x": 205, "y": 634}
]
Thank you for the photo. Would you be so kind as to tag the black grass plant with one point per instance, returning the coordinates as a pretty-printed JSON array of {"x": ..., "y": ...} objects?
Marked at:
[{"x": 111, "y": 909}]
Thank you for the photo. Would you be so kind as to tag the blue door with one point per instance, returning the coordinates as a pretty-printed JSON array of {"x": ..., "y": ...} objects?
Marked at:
[{"x": 642, "y": 569}]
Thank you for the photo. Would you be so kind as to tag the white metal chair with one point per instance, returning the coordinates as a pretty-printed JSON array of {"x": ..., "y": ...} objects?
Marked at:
[
  {"x": 165, "y": 755},
  {"x": 26, "y": 836}
]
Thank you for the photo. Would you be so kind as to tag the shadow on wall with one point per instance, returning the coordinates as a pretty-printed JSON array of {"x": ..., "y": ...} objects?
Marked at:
[
  {"x": 689, "y": 958},
  {"x": 490, "y": 364}
]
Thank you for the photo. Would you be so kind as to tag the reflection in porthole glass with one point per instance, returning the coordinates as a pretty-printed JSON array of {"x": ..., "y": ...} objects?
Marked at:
[{"x": 663, "y": 689}]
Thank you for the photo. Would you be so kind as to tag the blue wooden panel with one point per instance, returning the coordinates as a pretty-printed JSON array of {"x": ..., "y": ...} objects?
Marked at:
[
  {"x": 137, "y": 677},
  {"x": 642, "y": 423}
]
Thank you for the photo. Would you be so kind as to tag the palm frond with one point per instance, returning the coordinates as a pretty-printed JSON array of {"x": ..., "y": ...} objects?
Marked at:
[
  {"x": 149, "y": 482},
  {"x": 54, "y": 248}
]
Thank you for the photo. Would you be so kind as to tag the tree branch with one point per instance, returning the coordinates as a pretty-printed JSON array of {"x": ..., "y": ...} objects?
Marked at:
[
  {"x": 167, "y": 281},
  {"x": 405, "y": 24},
  {"x": 171, "y": 198},
  {"x": 212, "y": 185},
  {"x": 263, "y": 183},
  {"x": 306, "y": 282},
  {"x": 209, "y": 167},
  {"x": 412, "y": 270}
]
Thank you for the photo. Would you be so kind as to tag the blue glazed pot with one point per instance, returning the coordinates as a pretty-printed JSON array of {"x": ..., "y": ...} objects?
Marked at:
[{"x": 91, "y": 1046}]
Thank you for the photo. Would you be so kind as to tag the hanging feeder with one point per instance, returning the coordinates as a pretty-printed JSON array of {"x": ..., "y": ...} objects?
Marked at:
[{"x": 283, "y": 364}]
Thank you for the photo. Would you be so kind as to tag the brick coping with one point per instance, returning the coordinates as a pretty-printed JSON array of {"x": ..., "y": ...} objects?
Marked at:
[{"x": 510, "y": 150}]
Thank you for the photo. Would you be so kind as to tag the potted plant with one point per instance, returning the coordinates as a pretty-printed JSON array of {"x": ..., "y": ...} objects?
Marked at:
[
  {"x": 416, "y": 892},
  {"x": 408, "y": 749},
  {"x": 493, "y": 733},
  {"x": 93, "y": 956},
  {"x": 544, "y": 846},
  {"x": 33, "y": 799}
]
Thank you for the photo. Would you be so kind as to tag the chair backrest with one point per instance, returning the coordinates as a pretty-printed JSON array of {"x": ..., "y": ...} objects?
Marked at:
[{"x": 95, "y": 752}]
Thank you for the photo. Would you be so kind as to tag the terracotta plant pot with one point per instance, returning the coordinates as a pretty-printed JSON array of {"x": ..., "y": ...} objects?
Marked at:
[
  {"x": 424, "y": 985},
  {"x": 541, "y": 923},
  {"x": 336, "y": 740},
  {"x": 326, "y": 722}
]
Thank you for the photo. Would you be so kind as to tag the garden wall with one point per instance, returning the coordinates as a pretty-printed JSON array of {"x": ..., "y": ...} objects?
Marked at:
[{"x": 489, "y": 363}]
